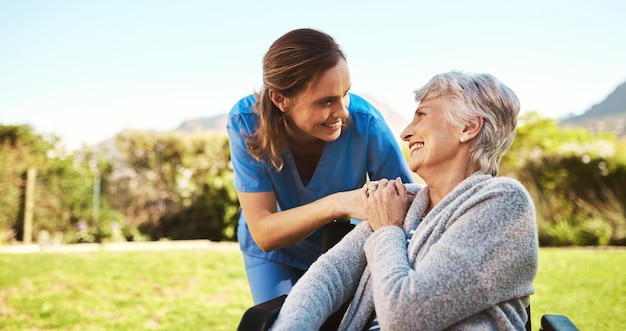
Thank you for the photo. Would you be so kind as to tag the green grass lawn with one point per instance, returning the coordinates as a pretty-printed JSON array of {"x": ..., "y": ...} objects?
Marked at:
[
  {"x": 207, "y": 290},
  {"x": 587, "y": 285},
  {"x": 143, "y": 290}
]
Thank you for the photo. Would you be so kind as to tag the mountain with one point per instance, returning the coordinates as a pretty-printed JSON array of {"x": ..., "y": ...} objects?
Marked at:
[
  {"x": 396, "y": 122},
  {"x": 608, "y": 115},
  {"x": 215, "y": 123}
]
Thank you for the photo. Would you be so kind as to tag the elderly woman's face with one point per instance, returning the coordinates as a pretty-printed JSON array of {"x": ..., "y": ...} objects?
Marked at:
[{"x": 433, "y": 141}]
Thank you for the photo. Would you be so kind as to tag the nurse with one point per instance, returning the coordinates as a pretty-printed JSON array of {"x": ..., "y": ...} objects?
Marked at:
[{"x": 299, "y": 147}]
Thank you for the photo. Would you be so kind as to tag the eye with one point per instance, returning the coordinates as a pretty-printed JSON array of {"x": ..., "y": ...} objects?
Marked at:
[
  {"x": 419, "y": 115},
  {"x": 326, "y": 102}
]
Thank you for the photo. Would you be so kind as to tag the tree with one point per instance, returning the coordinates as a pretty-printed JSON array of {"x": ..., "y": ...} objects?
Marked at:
[
  {"x": 176, "y": 185},
  {"x": 63, "y": 192},
  {"x": 576, "y": 178}
]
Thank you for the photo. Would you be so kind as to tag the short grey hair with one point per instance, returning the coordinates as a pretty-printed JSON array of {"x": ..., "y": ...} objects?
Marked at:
[{"x": 478, "y": 95}]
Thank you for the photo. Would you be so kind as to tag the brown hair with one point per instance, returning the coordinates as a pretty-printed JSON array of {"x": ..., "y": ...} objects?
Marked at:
[{"x": 291, "y": 64}]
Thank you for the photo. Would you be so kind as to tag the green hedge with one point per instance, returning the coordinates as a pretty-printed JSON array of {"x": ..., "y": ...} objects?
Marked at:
[{"x": 179, "y": 186}]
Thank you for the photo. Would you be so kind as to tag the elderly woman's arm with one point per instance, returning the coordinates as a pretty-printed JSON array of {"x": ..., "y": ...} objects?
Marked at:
[
  {"x": 328, "y": 283},
  {"x": 486, "y": 255}
]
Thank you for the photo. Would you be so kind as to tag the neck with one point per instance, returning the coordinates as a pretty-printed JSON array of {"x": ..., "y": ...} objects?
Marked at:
[
  {"x": 298, "y": 138},
  {"x": 441, "y": 186}
]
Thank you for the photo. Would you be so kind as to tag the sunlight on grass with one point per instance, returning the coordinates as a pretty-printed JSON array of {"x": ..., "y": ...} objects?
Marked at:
[
  {"x": 174, "y": 290},
  {"x": 207, "y": 289},
  {"x": 587, "y": 285}
]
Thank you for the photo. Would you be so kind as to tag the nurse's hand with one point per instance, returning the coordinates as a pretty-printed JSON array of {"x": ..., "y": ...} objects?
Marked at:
[{"x": 350, "y": 204}]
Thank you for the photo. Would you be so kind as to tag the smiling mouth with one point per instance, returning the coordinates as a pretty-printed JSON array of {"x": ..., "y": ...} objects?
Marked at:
[
  {"x": 333, "y": 125},
  {"x": 416, "y": 146}
]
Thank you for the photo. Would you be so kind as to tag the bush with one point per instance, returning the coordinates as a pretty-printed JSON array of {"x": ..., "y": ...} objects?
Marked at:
[
  {"x": 180, "y": 186},
  {"x": 575, "y": 179},
  {"x": 175, "y": 186}
]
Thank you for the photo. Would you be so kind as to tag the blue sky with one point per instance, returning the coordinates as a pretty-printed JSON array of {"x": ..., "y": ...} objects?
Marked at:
[{"x": 85, "y": 70}]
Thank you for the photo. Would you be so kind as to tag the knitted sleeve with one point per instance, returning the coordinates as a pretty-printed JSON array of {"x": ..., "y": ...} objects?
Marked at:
[
  {"x": 329, "y": 282},
  {"x": 478, "y": 251}
]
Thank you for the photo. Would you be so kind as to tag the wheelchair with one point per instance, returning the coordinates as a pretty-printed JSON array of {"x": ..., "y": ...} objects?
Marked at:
[{"x": 260, "y": 317}]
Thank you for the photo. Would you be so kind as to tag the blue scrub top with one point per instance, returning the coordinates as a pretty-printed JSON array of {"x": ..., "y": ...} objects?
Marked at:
[{"x": 367, "y": 147}]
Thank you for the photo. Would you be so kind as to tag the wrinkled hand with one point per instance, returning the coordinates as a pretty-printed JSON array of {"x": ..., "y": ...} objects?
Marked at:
[
  {"x": 410, "y": 196},
  {"x": 386, "y": 202}
]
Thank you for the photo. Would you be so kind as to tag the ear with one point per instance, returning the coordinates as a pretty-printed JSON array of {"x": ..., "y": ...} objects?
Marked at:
[
  {"x": 472, "y": 129},
  {"x": 278, "y": 99}
]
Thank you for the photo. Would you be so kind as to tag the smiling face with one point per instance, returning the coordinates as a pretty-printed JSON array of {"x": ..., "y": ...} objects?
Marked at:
[
  {"x": 319, "y": 112},
  {"x": 433, "y": 141}
]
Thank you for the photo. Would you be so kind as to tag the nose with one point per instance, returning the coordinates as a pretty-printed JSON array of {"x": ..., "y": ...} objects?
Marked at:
[
  {"x": 407, "y": 133},
  {"x": 341, "y": 110}
]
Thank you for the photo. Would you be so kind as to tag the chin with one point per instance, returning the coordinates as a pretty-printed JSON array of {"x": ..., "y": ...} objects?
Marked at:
[
  {"x": 331, "y": 137},
  {"x": 414, "y": 167}
]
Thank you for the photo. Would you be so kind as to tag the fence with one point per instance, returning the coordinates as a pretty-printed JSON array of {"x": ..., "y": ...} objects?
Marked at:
[{"x": 33, "y": 206}]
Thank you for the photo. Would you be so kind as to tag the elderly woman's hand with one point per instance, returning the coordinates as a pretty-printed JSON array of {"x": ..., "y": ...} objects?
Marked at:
[{"x": 386, "y": 203}]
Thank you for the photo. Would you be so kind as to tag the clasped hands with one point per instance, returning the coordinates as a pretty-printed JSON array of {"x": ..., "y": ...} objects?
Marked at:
[
  {"x": 381, "y": 203},
  {"x": 386, "y": 202}
]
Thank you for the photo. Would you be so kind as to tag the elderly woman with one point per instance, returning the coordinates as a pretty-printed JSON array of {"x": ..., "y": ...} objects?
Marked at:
[{"x": 462, "y": 254}]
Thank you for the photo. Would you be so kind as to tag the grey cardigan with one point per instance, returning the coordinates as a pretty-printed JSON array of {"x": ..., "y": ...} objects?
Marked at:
[{"x": 469, "y": 266}]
